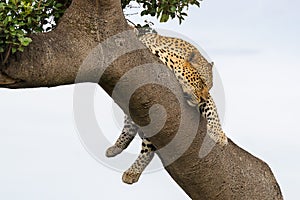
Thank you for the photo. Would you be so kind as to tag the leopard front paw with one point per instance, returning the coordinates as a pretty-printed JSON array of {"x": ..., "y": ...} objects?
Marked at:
[
  {"x": 131, "y": 177},
  {"x": 113, "y": 151}
]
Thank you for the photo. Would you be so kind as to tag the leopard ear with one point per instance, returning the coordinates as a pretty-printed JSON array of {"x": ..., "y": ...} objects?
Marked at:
[{"x": 195, "y": 58}]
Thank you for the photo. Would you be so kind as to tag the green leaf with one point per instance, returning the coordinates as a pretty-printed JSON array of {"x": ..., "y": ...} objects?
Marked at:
[
  {"x": 21, "y": 49},
  {"x": 13, "y": 50},
  {"x": 173, "y": 9},
  {"x": 9, "y": 18},
  {"x": 26, "y": 41},
  {"x": 21, "y": 39},
  {"x": 14, "y": 2},
  {"x": 164, "y": 18},
  {"x": 58, "y": 5},
  {"x": 12, "y": 28},
  {"x": 2, "y": 6},
  {"x": 144, "y": 12}
]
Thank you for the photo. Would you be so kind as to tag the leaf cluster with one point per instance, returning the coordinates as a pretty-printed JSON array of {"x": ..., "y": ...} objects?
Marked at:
[
  {"x": 164, "y": 9},
  {"x": 19, "y": 18}
]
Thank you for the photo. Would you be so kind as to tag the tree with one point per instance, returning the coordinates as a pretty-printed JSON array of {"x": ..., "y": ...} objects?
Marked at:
[{"x": 54, "y": 59}]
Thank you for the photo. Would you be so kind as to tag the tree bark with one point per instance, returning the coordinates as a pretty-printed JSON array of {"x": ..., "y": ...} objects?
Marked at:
[{"x": 56, "y": 58}]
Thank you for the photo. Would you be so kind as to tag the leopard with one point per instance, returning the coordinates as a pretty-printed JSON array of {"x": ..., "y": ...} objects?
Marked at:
[{"x": 194, "y": 73}]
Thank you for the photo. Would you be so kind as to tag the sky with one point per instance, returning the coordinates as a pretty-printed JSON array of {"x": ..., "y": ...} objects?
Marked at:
[{"x": 255, "y": 48}]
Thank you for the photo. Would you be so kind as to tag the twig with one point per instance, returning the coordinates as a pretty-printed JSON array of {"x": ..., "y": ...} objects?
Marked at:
[
  {"x": 7, "y": 54},
  {"x": 39, "y": 5}
]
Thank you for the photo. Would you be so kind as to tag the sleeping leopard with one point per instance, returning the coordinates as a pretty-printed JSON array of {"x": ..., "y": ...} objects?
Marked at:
[{"x": 194, "y": 74}]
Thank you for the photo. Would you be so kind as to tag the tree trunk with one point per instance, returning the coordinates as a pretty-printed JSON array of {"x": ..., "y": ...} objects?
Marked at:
[{"x": 63, "y": 56}]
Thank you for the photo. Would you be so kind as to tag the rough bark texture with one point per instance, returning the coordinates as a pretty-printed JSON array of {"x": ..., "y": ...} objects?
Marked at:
[{"x": 54, "y": 59}]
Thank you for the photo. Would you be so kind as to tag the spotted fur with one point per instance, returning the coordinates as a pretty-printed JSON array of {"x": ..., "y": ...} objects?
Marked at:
[
  {"x": 133, "y": 174},
  {"x": 129, "y": 131},
  {"x": 194, "y": 74}
]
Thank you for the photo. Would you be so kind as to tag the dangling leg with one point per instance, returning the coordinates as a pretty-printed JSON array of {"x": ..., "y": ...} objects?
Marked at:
[
  {"x": 214, "y": 129},
  {"x": 134, "y": 172},
  {"x": 129, "y": 131}
]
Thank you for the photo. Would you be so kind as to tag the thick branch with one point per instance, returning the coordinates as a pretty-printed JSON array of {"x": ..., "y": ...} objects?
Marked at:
[{"x": 55, "y": 59}]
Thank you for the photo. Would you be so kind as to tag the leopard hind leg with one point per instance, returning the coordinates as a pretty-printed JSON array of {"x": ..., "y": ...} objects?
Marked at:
[
  {"x": 133, "y": 174},
  {"x": 129, "y": 131}
]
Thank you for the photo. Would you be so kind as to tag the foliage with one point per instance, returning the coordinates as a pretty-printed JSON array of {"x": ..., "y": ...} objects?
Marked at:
[
  {"x": 19, "y": 18},
  {"x": 164, "y": 9}
]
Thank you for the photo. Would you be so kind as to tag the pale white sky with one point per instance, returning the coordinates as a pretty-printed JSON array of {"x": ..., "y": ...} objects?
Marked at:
[{"x": 255, "y": 47}]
